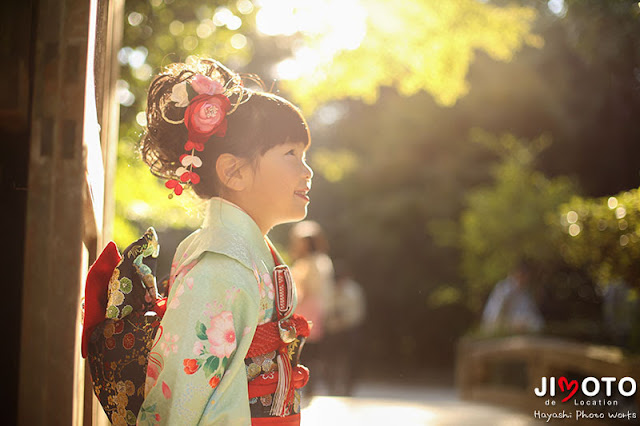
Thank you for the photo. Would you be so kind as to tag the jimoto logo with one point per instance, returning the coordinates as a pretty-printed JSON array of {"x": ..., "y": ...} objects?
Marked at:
[{"x": 590, "y": 386}]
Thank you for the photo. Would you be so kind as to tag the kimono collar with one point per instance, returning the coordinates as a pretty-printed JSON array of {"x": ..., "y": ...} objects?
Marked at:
[{"x": 229, "y": 230}]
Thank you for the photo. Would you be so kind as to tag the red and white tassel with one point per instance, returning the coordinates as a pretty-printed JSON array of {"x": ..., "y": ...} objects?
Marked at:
[{"x": 283, "y": 394}]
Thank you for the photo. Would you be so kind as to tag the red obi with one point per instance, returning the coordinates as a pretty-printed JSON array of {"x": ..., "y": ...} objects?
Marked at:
[{"x": 281, "y": 382}]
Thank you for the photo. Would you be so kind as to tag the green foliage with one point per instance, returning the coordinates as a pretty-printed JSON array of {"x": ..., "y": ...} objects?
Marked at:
[
  {"x": 416, "y": 46},
  {"x": 334, "y": 165},
  {"x": 401, "y": 48},
  {"x": 404, "y": 164},
  {"x": 141, "y": 201},
  {"x": 510, "y": 220},
  {"x": 603, "y": 235}
]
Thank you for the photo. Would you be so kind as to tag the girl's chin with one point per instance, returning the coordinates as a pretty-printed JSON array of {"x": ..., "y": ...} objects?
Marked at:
[{"x": 296, "y": 217}]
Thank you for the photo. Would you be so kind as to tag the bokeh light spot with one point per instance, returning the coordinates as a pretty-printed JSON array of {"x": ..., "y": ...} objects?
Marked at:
[
  {"x": 238, "y": 41},
  {"x": 557, "y": 7},
  {"x": 190, "y": 42},
  {"x": 176, "y": 28},
  {"x": 244, "y": 6},
  {"x": 143, "y": 72},
  {"x": 135, "y": 19},
  {"x": 205, "y": 29},
  {"x": 624, "y": 240},
  {"x": 124, "y": 96},
  {"x": 574, "y": 229},
  {"x": 234, "y": 23},
  {"x": 222, "y": 16},
  {"x": 137, "y": 57},
  {"x": 141, "y": 118}
]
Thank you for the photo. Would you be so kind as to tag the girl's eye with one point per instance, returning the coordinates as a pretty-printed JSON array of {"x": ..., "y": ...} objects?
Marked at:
[{"x": 292, "y": 152}]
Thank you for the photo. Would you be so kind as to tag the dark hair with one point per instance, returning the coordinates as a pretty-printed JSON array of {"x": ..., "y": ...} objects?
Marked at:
[{"x": 260, "y": 123}]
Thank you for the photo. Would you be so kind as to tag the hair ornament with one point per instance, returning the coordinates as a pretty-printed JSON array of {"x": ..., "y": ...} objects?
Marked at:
[{"x": 207, "y": 105}]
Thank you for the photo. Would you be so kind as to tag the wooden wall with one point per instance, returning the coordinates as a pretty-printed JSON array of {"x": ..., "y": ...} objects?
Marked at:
[{"x": 58, "y": 125}]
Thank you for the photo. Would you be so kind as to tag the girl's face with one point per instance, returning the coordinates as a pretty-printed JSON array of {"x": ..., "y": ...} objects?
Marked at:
[{"x": 279, "y": 185}]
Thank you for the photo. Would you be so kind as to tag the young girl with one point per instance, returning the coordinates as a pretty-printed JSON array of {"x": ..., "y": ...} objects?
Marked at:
[{"x": 225, "y": 352}]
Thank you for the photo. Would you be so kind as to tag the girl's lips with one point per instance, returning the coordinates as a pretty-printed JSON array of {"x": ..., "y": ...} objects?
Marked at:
[{"x": 303, "y": 195}]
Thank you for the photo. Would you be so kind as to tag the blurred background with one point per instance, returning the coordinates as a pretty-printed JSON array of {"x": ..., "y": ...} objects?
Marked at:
[
  {"x": 450, "y": 141},
  {"x": 476, "y": 173}
]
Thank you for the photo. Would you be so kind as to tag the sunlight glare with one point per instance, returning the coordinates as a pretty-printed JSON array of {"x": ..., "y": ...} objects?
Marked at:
[
  {"x": 343, "y": 411},
  {"x": 332, "y": 25}
]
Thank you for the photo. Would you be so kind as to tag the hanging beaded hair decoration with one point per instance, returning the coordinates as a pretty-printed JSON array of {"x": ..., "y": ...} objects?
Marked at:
[{"x": 207, "y": 104}]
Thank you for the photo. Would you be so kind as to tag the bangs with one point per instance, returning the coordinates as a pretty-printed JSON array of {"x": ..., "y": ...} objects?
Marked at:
[
  {"x": 267, "y": 120},
  {"x": 287, "y": 125}
]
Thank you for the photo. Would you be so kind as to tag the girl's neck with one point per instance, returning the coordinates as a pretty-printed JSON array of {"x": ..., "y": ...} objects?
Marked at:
[{"x": 238, "y": 204}]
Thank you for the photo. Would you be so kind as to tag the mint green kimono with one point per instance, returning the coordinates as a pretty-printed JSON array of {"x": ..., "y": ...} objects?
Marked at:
[{"x": 220, "y": 290}]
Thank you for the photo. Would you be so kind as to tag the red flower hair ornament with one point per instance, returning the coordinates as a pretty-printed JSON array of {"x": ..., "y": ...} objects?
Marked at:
[{"x": 206, "y": 112}]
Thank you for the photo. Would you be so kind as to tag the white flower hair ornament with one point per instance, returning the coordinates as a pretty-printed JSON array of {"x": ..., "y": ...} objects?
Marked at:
[{"x": 207, "y": 106}]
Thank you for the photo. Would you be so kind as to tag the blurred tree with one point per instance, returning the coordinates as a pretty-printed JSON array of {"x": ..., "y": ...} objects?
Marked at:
[
  {"x": 404, "y": 165},
  {"x": 603, "y": 236},
  {"x": 412, "y": 168},
  {"x": 590, "y": 75},
  {"x": 516, "y": 218},
  {"x": 412, "y": 46},
  {"x": 394, "y": 49},
  {"x": 510, "y": 220}
]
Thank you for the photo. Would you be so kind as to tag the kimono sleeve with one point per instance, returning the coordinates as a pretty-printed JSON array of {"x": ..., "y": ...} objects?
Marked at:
[{"x": 196, "y": 372}]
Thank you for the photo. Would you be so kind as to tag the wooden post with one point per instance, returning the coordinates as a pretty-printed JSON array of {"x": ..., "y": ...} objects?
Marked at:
[{"x": 50, "y": 386}]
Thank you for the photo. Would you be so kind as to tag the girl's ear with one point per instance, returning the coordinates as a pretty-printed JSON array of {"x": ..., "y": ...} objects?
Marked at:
[{"x": 233, "y": 172}]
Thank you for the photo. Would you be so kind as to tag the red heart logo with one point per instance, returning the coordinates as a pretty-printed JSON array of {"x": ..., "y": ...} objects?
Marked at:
[{"x": 564, "y": 383}]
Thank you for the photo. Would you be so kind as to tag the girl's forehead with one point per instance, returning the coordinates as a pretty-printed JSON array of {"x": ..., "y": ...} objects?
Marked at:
[{"x": 296, "y": 144}]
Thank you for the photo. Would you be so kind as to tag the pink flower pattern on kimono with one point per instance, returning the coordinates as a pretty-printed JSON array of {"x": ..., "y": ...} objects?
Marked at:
[
  {"x": 175, "y": 299},
  {"x": 178, "y": 274},
  {"x": 221, "y": 335},
  {"x": 169, "y": 345},
  {"x": 198, "y": 348},
  {"x": 231, "y": 295},
  {"x": 166, "y": 390}
]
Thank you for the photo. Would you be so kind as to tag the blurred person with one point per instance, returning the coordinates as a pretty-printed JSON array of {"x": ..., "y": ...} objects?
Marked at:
[
  {"x": 344, "y": 331},
  {"x": 312, "y": 271},
  {"x": 510, "y": 306}
]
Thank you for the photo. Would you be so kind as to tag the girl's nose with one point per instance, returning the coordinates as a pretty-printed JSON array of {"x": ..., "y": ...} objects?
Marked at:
[{"x": 308, "y": 171}]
